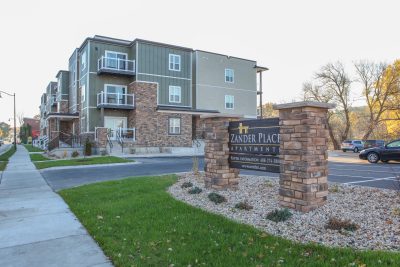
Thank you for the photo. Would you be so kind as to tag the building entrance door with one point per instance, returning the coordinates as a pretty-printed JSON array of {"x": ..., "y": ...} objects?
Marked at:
[{"x": 114, "y": 123}]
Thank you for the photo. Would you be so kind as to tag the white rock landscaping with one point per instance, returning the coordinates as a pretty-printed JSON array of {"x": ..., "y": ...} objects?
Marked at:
[{"x": 370, "y": 208}]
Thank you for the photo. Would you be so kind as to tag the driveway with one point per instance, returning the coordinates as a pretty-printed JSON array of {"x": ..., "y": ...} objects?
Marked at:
[{"x": 342, "y": 169}]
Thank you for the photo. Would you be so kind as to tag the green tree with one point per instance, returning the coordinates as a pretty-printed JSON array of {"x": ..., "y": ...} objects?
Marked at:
[{"x": 5, "y": 128}]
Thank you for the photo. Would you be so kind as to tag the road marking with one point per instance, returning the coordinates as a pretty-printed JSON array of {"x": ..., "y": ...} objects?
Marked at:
[
  {"x": 372, "y": 180},
  {"x": 357, "y": 170},
  {"x": 352, "y": 176}
]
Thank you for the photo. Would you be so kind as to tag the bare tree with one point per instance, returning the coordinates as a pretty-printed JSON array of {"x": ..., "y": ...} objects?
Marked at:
[
  {"x": 380, "y": 87},
  {"x": 332, "y": 84},
  {"x": 317, "y": 93},
  {"x": 20, "y": 118},
  {"x": 336, "y": 81}
]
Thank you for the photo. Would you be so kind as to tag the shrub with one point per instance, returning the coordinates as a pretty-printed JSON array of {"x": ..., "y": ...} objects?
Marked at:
[
  {"x": 279, "y": 215},
  {"x": 65, "y": 154},
  {"x": 269, "y": 184},
  {"x": 216, "y": 198},
  {"x": 75, "y": 154},
  {"x": 186, "y": 185},
  {"x": 396, "y": 211},
  {"x": 334, "y": 188},
  {"x": 243, "y": 206},
  {"x": 88, "y": 147},
  {"x": 338, "y": 224},
  {"x": 195, "y": 190},
  {"x": 103, "y": 152}
]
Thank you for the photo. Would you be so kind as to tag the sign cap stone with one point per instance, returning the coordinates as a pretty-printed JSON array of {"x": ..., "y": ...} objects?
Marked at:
[{"x": 303, "y": 104}]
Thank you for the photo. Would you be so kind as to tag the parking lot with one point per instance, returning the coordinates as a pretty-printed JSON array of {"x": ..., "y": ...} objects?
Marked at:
[
  {"x": 344, "y": 168},
  {"x": 348, "y": 169}
]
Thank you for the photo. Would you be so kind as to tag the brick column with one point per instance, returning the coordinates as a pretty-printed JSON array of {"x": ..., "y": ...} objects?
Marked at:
[
  {"x": 218, "y": 175},
  {"x": 101, "y": 133},
  {"x": 303, "y": 155}
]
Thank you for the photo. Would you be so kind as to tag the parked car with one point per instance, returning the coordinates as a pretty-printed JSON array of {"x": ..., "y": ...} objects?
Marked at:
[
  {"x": 373, "y": 143},
  {"x": 352, "y": 145},
  {"x": 1, "y": 142},
  {"x": 390, "y": 151}
]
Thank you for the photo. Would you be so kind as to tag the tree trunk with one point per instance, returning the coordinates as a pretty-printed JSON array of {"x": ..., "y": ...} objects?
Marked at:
[
  {"x": 335, "y": 143},
  {"x": 347, "y": 129},
  {"x": 370, "y": 128}
]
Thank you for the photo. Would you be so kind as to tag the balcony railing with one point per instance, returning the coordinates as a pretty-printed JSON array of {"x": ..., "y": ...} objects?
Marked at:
[
  {"x": 126, "y": 134},
  {"x": 115, "y": 100},
  {"x": 116, "y": 66},
  {"x": 52, "y": 100}
]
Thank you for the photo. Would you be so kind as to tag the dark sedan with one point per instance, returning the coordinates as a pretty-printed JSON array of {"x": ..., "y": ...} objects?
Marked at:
[{"x": 391, "y": 151}]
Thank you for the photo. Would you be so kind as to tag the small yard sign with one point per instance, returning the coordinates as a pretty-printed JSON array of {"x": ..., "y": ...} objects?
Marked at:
[{"x": 254, "y": 144}]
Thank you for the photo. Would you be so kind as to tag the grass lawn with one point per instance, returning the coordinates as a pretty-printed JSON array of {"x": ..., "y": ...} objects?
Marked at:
[
  {"x": 4, "y": 158},
  {"x": 38, "y": 157},
  {"x": 80, "y": 161},
  {"x": 31, "y": 148},
  {"x": 137, "y": 223}
]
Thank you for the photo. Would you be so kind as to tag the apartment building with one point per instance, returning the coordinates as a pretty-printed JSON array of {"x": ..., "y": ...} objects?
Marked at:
[{"x": 146, "y": 93}]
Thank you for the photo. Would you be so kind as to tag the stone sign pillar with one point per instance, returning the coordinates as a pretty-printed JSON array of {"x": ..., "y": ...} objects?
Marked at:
[
  {"x": 218, "y": 174},
  {"x": 303, "y": 155}
]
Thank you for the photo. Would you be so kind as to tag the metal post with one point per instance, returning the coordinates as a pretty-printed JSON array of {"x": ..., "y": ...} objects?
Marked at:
[
  {"x": 15, "y": 126},
  {"x": 261, "y": 108}
]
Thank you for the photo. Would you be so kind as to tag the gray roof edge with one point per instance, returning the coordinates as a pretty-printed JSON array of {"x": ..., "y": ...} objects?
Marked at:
[
  {"x": 224, "y": 55},
  {"x": 304, "y": 104}
]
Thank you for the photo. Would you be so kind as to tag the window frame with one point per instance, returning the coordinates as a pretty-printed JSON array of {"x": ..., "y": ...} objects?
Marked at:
[
  {"x": 83, "y": 93},
  {"x": 83, "y": 63},
  {"x": 171, "y": 92},
  {"x": 233, "y": 75},
  {"x": 227, "y": 97},
  {"x": 169, "y": 125},
  {"x": 173, "y": 57}
]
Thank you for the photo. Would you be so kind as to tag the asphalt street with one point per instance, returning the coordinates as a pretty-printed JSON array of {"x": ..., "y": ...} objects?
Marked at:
[{"x": 343, "y": 168}]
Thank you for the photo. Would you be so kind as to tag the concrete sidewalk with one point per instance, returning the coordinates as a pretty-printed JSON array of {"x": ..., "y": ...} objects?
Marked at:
[{"x": 36, "y": 226}]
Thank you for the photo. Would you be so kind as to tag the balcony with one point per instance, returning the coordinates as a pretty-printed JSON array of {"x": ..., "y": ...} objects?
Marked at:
[
  {"x": 52, "y": 100},
  {"x": 115, "y": 101},
  {"x": 116, "y": 66}
]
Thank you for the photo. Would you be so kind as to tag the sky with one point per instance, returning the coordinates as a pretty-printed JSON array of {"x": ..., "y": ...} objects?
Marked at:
[{"x": 292, "y": 38}]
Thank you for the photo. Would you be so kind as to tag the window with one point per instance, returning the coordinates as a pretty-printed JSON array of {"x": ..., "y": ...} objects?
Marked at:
[
  {"x": 83, "y": 93},
  {"x": 116, "y": 60},
  {"x": 229, "y": 101},
  {"x": 84, "y": 60},
  {"x": 115, "y": 94},
  {"x": 229, "y": 75},
  {"x": 395, "y": 144},
  {"x": 174, "y": 126},
  {"x": 175, "y": 94},
  {"x": 174, "y": 62}
]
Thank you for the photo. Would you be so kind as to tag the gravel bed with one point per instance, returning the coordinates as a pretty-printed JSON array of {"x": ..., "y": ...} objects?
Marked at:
[{"x": 374, "y": 210}]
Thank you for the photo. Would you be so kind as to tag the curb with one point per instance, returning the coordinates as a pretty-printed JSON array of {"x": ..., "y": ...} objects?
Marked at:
[{"x": 89, "y": 166}]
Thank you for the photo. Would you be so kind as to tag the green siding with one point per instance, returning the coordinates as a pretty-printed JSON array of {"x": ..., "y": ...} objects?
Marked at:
[
  {"x": 153, "y": 66},
  {"x": 98, "y": 49},
  {"x": 163, "y": 89}
]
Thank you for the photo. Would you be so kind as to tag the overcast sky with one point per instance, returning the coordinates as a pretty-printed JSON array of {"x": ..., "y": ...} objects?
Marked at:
[{"x": 292, "y": 38}]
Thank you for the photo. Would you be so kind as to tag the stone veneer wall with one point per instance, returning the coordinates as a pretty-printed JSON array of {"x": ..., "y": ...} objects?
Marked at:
[
  {"x": 303, "y": 155},
  {"x": 218, "y": 174},
  {"x": 52, "y": 128},
  {"x": 151, "y": 125},
  {"x": 62, "y": 106},
  {"x": 101, "y": 134}
]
